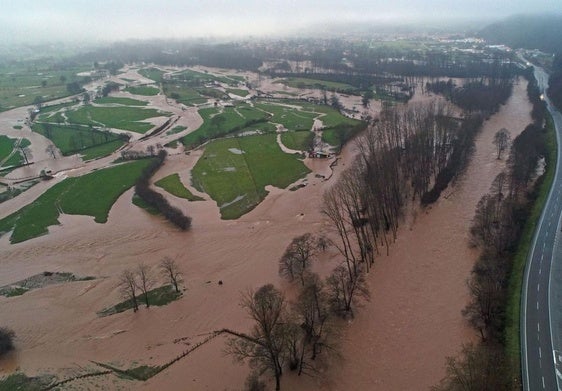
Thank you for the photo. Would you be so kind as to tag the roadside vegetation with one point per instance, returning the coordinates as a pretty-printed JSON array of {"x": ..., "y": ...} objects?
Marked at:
[
  {"x": 92, "y": 195},
  {"x": 235, "y": 171},
  {"x": 503, "y": 228}
]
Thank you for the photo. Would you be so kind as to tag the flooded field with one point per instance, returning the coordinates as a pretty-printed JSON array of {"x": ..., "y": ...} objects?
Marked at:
[{"x": 398, "y": 339}]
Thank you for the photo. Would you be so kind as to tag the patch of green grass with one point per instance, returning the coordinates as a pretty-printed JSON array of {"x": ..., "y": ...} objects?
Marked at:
[
  {"x": 236, "y": 181},
  {"x": 301, "y": 141},
  {"x": 6, "y": 146},
  {"x": 126, "y": 117},
  {"x": 20, "y": 382},
  {"x": 173, "y": 185},
  {"x": 92, "y": 195},
  {"x": 217, "y": 124},
  {"x": 189, "y": 96},
  {"x": 143, "y": 90},
  {"x": 17, "y": 127},
  {"x": 176, "y": 129},
  {"x": 120, "y": 101},
  {"x": 83, "y": 139},
  {"x": 513, "y": 309},
  {"x": 156, "y": 297},
  {"x": 17, "y": 291},
  {"x": 238, "y": 91},
  {"x": 21, "y": 82},
  {"x": 101, "y": 150},
  {"x": 300, "y": 82},
  {"x": 152, "y": 73},
  {"x": 143, "y": 372},
  {"x": 172, "y": 144},
  {"x": 290, "y": 117}
]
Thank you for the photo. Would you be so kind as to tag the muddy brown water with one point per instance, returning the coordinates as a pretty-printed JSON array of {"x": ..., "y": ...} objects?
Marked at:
[{"x": 398, "y": 339}]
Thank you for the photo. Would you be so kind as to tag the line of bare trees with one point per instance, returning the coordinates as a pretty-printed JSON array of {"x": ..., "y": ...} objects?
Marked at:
[
  {"x": 157, "y": 200},
  {"x": 135, "y": 284},
  {"x": 496, "y": 230}
]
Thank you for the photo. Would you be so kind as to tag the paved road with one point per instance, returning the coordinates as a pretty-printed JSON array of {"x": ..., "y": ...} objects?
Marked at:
[{"x": 541, "y": 330}]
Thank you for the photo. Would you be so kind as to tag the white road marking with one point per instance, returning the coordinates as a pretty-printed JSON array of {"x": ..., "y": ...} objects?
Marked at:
[
  {"x": 537, "y": 305},
  {"x": 540, "y": 352},
  {"x": 538, "y": 287},
  {"x": 543, "y": 382},
  {"x": 538, "y": 328}
]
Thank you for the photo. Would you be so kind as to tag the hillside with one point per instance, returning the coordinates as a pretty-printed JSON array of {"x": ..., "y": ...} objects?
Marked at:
[{"x": 543, "y": 32}]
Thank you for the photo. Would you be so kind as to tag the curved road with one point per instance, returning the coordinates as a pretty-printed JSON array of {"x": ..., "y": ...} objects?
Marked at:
[{"x": 541, "y": 305}]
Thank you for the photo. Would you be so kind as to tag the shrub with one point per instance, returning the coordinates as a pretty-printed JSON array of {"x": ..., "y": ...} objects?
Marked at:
[{"x": 6, "y": 340}]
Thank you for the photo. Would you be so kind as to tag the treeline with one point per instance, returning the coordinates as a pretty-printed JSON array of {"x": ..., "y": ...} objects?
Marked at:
[
  {"x": 157, "y": 200},
  {"x": 555, "y": 82},
  {"x": 410, "y": 153},
  {"x": 178, "y": 53},
  {"x": 300, "y": 336},
  {"x": 496, "y": 230},
  {"x": 485, "y": 95}
]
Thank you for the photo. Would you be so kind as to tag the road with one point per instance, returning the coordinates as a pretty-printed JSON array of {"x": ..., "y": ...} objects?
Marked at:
[{"x": 541, "y": 326}]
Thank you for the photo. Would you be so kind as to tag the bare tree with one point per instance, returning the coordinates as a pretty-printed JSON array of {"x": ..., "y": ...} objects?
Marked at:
[
  {"x": 145, "y": 282},
  {"x": 314, "y": 318},
  {"x": 128, "y": 286},
  {"x": 479, "y": 368},
  {"x": 170, "y": 270},
  {"x": 265, "y": 346},
  {"x": 297, "y": 257},
  {"x": 501, "y": 141},
  {"x": 344, "y": 289},
  {"x": 52, "y": 150}
]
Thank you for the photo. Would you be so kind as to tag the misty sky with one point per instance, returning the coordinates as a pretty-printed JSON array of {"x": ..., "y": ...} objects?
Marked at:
[{"x": 39, "y": 20}]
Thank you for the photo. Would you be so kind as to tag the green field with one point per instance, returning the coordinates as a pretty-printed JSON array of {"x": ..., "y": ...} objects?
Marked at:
[
  {"x": 92, "y": 195},
  {"x": 152, "y": 73},
  {"x": 173, "y": 185},
  {"x": 143, "y": 90},
  {"x": 176, "y": 129},
  {"x": 237, "y": 91},
  {"x": 195, "y": 78},
  {"x": 300, "y": 82},
  {"x": 158, "y": 297},
  {"x": 121, "y": 117},
  {"x": 83, "y": 139},
  {"x": 290, "y": 117},
  {"x": 189, "y": 96},
  {"x": 6, "y": 148},
  {"x": 24, "y": 83},
  {"x": 120, "y": 101},
  {"x": 217, "y": 124},
  {"x": 298, "y": 140},
  {"x": 235, "y": 180}
]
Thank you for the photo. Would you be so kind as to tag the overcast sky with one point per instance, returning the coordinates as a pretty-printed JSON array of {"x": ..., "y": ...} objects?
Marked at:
[{"x": 38, "y": 20}]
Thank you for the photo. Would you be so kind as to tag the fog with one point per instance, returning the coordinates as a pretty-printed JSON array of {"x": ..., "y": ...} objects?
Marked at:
[{"x": 110, "y": 20}]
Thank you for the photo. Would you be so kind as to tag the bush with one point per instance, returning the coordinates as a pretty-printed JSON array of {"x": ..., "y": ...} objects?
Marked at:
[{"x": 6, "y": 340}]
